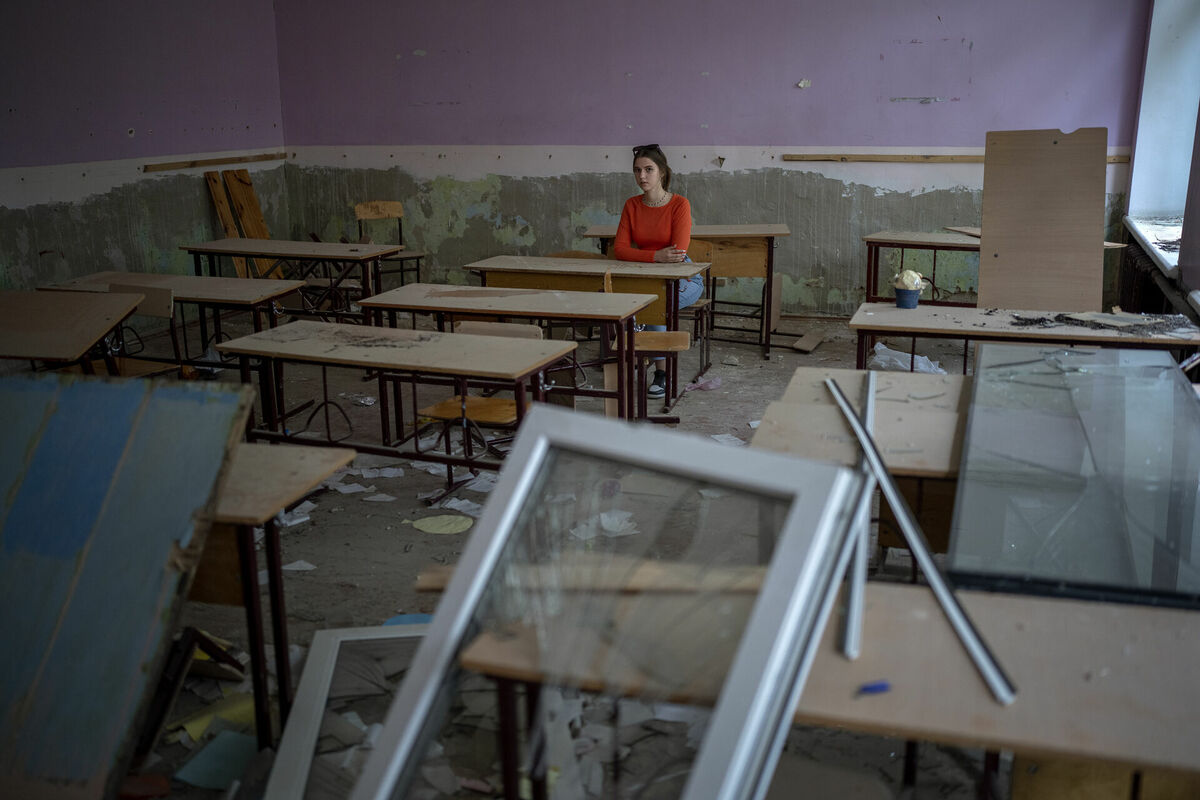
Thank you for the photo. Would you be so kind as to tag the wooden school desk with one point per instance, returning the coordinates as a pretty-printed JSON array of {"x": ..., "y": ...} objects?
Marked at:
[
  {"x": 739, "y": 251},
  {"x": 255, "y": 295},
  {"x": 992, "y": 324},
  {"x": 302, "y": 259},
  {"x": 413, "y": 355},
  {"x": 587, "y": 275},
  {"x": 262, "y": 480},
  {"x": 61, "y": 327},
  {"x": 912, "y": 240},
  {"x": 591, "y": 307}
]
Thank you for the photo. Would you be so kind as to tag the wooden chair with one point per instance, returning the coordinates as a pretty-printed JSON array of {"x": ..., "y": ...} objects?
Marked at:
[
  {"x": 701, "y": 311},
  {"x": 652, "y": 345},
  {"x": 409, "y": 260},
  {"x": 473, "y": 413}
]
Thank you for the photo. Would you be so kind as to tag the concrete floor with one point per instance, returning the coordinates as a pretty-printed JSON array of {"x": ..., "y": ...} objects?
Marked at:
[{"x": 367, "y": 555}]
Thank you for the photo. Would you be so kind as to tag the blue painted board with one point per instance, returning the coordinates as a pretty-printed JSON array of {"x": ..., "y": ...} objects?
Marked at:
[{"x": 101, "y": 482}]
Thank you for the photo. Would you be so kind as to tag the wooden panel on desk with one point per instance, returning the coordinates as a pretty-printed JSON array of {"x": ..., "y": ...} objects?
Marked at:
[
  {"x": 225, "y": 216},
  {"x": 916, "y": 389},
  {"x": 218, "y": 574},
  {"x": 739, "y": 258},
  {"x": 1094, "y": 680},
  {"x": 656, "y": 312},
  {"x": 250, "y": 216},
  {"x": 914, "y": 442},
  {"x": 1043, "y": 210}
]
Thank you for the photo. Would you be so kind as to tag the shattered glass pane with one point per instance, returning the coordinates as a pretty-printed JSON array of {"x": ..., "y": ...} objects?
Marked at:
[
  {"x": 1079, "y": 476},
  {"x": 625, "y": 591}
]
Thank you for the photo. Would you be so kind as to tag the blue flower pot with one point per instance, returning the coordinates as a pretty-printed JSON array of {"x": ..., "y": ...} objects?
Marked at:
[{"x": 907, "y": 298}]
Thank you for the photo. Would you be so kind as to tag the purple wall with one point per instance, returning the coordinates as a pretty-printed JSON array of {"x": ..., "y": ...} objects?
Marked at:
[
  {"x": 694, "y": 72},
  {"x": 185, "y": 77}
]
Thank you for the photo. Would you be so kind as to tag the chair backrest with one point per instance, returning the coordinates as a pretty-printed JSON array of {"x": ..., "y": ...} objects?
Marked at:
[
  {"x": 379, "y": 209},
  {"x": 511, "y": 330},
  {"x": 157, "y": 302},
  {"x": 371, "y": 210}
]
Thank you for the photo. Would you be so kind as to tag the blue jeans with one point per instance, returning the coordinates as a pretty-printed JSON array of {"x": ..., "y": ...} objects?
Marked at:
[{"x": 689, "y": 290}]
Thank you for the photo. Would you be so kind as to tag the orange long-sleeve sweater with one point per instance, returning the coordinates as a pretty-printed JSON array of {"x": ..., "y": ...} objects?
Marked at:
[{"x": 643, "y": 229}]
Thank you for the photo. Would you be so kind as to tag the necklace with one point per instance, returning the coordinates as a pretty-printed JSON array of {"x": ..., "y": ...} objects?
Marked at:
[{"x": 666, "y": 198}]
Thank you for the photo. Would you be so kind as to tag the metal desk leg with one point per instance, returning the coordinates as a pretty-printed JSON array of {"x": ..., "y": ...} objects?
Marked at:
[
  {"x": 507, "y": 707},
  {"x": 258, "y": 656},
  {"x": 768, "y": 297},
  {"x": 283, "y": 665}
]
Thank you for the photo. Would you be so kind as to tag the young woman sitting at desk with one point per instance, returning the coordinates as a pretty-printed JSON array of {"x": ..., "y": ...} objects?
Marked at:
[{"x": 657, "y": 226}]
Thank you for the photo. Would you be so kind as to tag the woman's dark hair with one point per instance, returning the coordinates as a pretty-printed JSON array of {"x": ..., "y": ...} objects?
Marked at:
[{"x": 655, "y": 154}]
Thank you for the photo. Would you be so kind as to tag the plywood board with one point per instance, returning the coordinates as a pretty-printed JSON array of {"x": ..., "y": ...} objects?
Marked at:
[
  {"x": 220, "y": 198},
  {"x": 1043, "y": 220},
  {"x": 249, "y": 216},
  {"x": 108, "y": 487}
]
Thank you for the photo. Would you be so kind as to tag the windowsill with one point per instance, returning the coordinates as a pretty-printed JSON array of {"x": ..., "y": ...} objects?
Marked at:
[{"x": 1153, "y": 233}]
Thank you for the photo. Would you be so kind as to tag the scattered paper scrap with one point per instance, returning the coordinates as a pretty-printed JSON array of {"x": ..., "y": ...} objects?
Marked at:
[
  {"x": 443, "y": 524},
  {"x": 469, "y": 507},
  {"x": 754, "y": 423},
  {"x": 379, "y": 498},
  {"x": 219, "y": 763},
  {"x": 611, "y": 524},
  {"x": 237, "y": 709},
  {"x": 299, "y": 566},
  {"x": 704, "y": 386},
  {"x": 483, "y": 483},
  {"x": 729, "y": 439},
  {"x": 289, "y": 519},
  {"x": 352, "y": 488}
]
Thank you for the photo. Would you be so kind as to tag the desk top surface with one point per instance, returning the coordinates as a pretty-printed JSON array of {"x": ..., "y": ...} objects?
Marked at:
[
  {"x": 285, "y": 248},
  {"x": 586, "y": 266},
  {"x": 518, "y": 302},
  {"x": 1094, "y": 680},
  {"x": 1014, "y": 325},
  {"x": 399, "y": 349},
  {"x": 919, "y": 420},
  {"x": 753, "y": 230},
  {"x": 58, "y": 326},
  {"x": 264, "y": 479},
  {"x": 947, "y": 239},
  {"x": 190, "y": 288}
]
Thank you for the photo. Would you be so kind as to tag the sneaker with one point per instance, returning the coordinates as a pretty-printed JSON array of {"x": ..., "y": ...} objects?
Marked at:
[{"x": 658, "y": 387}]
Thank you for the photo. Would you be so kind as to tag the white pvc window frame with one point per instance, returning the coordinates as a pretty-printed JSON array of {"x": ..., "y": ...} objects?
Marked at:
[{"x": 757, "y": 699}]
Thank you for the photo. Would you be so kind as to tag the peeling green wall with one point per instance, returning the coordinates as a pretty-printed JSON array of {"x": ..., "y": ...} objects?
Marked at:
[
  {"x": 137, "y": 227},
  {"x": 140, "y": 226}
]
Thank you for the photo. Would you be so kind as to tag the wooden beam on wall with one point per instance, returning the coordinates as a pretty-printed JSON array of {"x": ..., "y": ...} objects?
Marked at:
[{"x": 212, "y": 162}]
